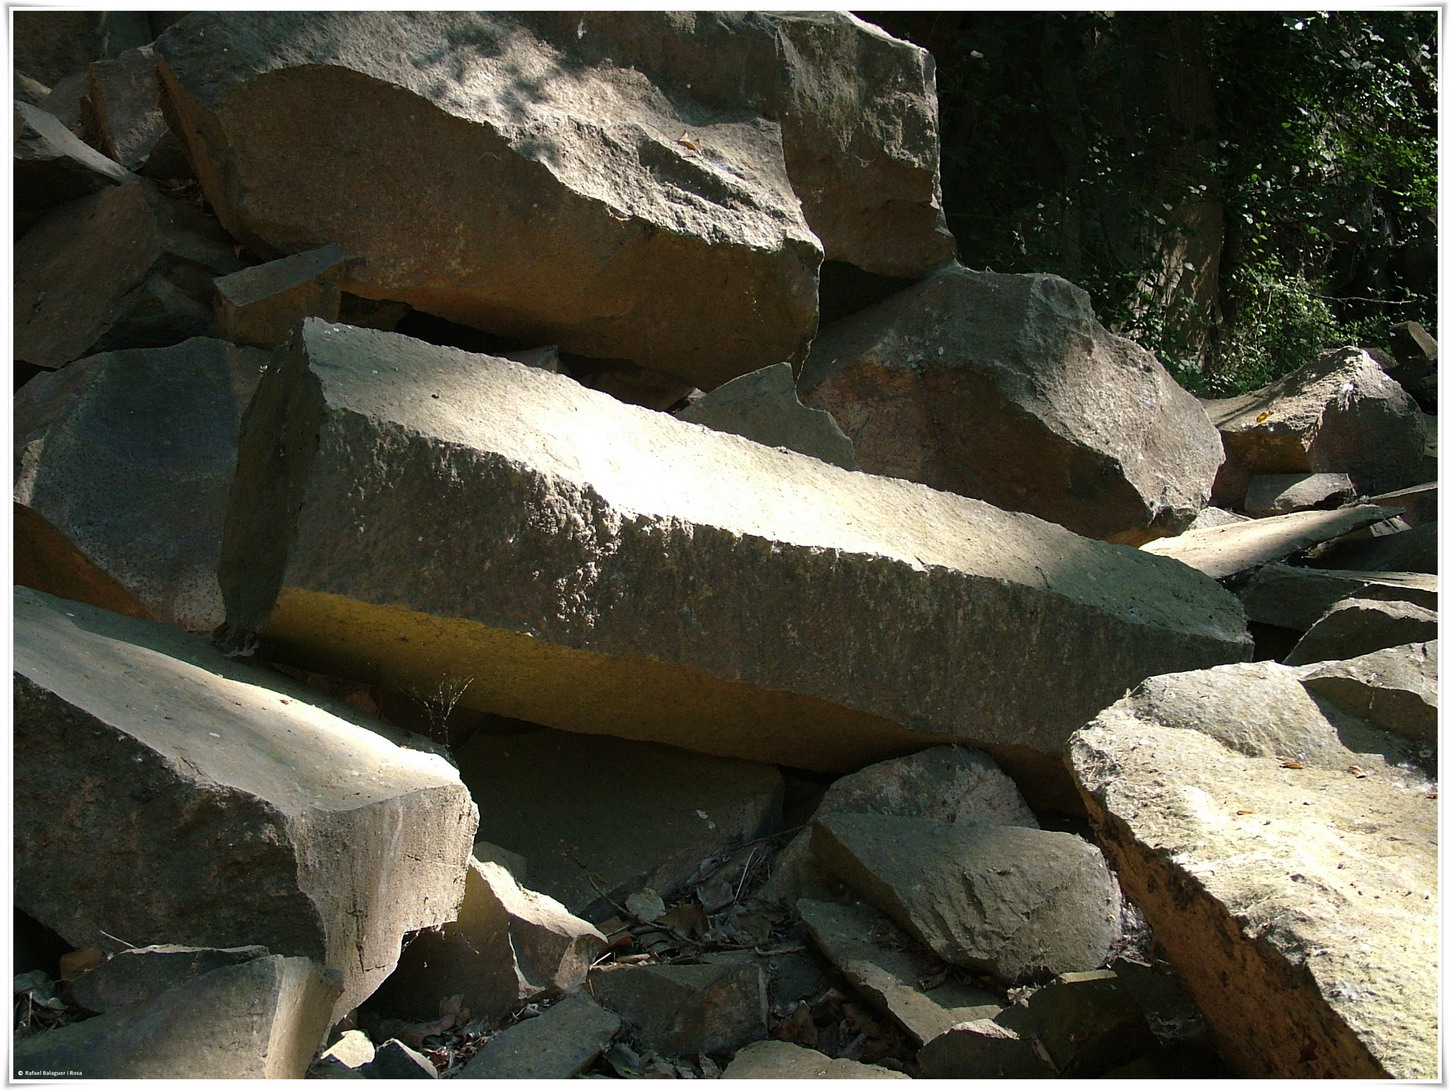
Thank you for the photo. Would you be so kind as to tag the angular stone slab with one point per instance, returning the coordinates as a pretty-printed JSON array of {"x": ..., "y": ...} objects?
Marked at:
[
  {"x": 599, "y": 818},
  {"x": 139, "y": 973},
  {"x": 53, "y": 166},
  {"x": 603, "y": 569},
  {"x": 1396, "y": 688},
  {"x": 1228, "y": 550},
  {"x": 129, "y": 456},
  {"x": 620, "y": 218},
  {"x": 1421, "y": 503},
  {"x": 1295, "y": 598},
  {"x": 982, "y": 1049},
  {"x": 257, "y": 812},
  {"x": 685, "y": 1009},
  {"x": 763, "y": 406},
  {"x": 943, "y": 783},
  {"x": 1339, "y": 414},
  {"x": 509, "y": 947},
  {"x": 557, "y": 1045},
  {"x": 1279, "y": 494},
  {"x": 1088, "y": 1023},
  {"x": 771, "y": 1060},
  {"x": 1285, "y": 864},
  {"x": 1416, "y": 549},
  {"x": 883, "y": 964},
  {"x": 260, "y": 1019},
  {"x": 1009, "y": 901},
  {"x": 1004, "y": 387},
  {"x": 1356, "y": 626},
  {"x": 260, "y": 305},
  {"x": 122, "y": 268}
]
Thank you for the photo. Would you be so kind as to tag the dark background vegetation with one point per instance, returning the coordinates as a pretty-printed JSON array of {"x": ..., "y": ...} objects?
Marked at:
[{"x": 1237, "y": 190}]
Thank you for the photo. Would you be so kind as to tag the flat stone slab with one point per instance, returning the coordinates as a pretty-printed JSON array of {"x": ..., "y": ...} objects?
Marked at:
[
  {"x": 599, "y": 818},
  {"x": 53, "y": 166},
  {"x": 599, "y": 568},
  {"x": 1394, "y": 688},
  {"x": 1279, "y": 494},
  {"x": 1295, "y": 598},
  {"x": 1286, "y": 865},
  {"x": 785, "y": 1061},
  {"x": 557, "y": 1045},
  {"x": 1355, "y": 626},
  {"x": 259, "y": 306},
  {"x": 763, "y": 406},
  {"x": 139, "y": 973},
  {"x": 685, "y": 1009},
  {"x": 257, "y": 811},
  {"x": 1228, "y": 550}
]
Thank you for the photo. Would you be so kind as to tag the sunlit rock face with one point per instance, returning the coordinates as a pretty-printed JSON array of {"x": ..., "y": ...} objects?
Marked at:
[{"x": 413, "y": 513}]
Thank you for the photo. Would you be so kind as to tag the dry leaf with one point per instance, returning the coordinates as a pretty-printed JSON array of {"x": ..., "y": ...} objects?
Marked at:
[
  {"x": 1243, "y": 812},
  {"x": 1357, "y": 772},
  {"x": 75, "y": 963},
  {"x": 1265, "y": 415},
  {"x": 687, "y": 141},
  {"x": 1290, "y": 765}
]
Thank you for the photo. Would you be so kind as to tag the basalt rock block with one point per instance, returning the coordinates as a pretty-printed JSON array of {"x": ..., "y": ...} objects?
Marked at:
[
  {"x": 1396, "y": 688},
  {"x": 772, "y": 1060},
  {"x": 52, "y": 166},
  {"x": 1339, "y": 414},
  {"x": 1283, "y": 852},
  {"x": 1355, "y": 626},
  {"x": 687, "y": 1009},
  {"x": 256, "y": 813},
  {"x": 1295, "y": 598},
  {"x": 123, "y": 268},
  {"x": 1004, "y": 387},
  {"x": 763, "y": 406},
  {"x": 259, "y": 306},
  {"x": 557, "y": 1045},
  {"x": 1279, "y": 494},
  {"x": 414, "y": 512},
  {"x": 484, "y": 172},
  {"x": 126, "y": 459}
]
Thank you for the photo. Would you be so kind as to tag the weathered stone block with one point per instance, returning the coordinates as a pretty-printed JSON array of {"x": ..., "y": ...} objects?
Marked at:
[
  {"x": 129, "y": 456},
  {"x": 784, "y": 1061},
  {"x": 1356, "y": 626},
  {"x": 595, "y": 567},
  {"x": 53, "y": 166},
  {"x": 685, "y": 1009},
  {"x": 763, "y": 406},
  {"x": 1295, "y": 598},
  {"x": 1396, "y": 689},
  {"x": 260, "y": 305},
  {"x": 256, "y": 813},
  {"x": 1005, "y": 387},
  {"x": 139, "y": 973},
  {"x": 557, "y": 1045},
  {"x": 1279, "y": 494}
]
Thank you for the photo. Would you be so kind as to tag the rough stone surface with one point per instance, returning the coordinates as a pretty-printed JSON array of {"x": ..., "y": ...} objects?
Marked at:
[
  {"x": 1228, "y": 550},
  {"x": 509, "y": 947},
  {"x": 123, "y": 113},
  {"x": 1396, "y": 688},
  {"x": 259, "y": 306},
  {"x": 257, "y": 813},
  {"x": 139, "y": 973},
  {"x": 1005, "y": 388},
  {"x": 772, "y": 1060},
  {"x": 1286, "y": 863},
  {"x": 1416, "y": 549},
  {"x": 887, "y": 968},
  {"x": 122, "y": 268},
  {"x": 395, "y": 1060},
  {"x": 684, "y": 1009},
  {"x": 259, "y": 1019},
  {"x": 621, "y": 218},
  {"x": 1088, "y": 1023},
  {"x": 1339, "y": 414},
  {"x": 629, "y": 814},
  {"x": 1416, "y": 362},
  {"x": 1421, "y": 503},
  {"x": 53, "y": 166},
  {"x": 557, "y": 1045},
  {"x": 1279, "y": 494},
  {"x": 130, "y": 457},
  {"x": 1215, "y": 517},
  {"x": 1295, "y": 598},
  {"x": 763, "y": 406},
  {"x": 52, "y": 44},
  {"x": 982, "y": 1049},
  {"x": 599, "y": 568},
  {"x": 352, "y": 1050},
  {"x": 1354, "y": 627},
  {"x": 1005, "y": 900},
  {"x": 943, "y": 783}
]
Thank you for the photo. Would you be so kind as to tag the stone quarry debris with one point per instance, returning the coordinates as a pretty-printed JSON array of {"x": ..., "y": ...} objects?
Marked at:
[
  {"x": 395, "y": 1060},
  {"x": 942, "y": 783},
  {"x": 1396, "y": 689},
  {"x": 621, "y": 220},
  {"x": 344, "y": 1057},
  {"x": 259, "y": 306},
  {"x": 1355, "y": 626},
  {"x": 1416, "y": 549},
  {"x": 557, "y": 1045},
  {"x": 128, "y": 457},
  {"x": 1279, "y": 494},
  {"x": 1294, "y": 597},
  {"x": 1420, "y": 503},
  {"x": 1004, "y": 387},
  {"x": 255, "y": 816},
  {"x": 509, "y": 947},
  {"x": 771, "y": 1060},
  {"x": 259, "y": 1019},
  {"x": 1339, "y": 414},
  {"x": 122, "y": 268},
  {"x": 887, "y": 967},
  {"x": 1088, "y": 1022},
  {"x": 1285, "y": 863},
  {"x": 139, "y": 973},
  {"x": 53, "y": 166},
  {"x": 763, "y": 406},
  {"x": 634, "y": 592},
  {"x": 629, "y": 814},
  {"x": 1215, "y": 517},
  {"x": 1228, "y": 550},
  {"x": 706, "y": 1008},
  {"x": 981, "y": 1049},
  {"x": 1006, "y": 900}
]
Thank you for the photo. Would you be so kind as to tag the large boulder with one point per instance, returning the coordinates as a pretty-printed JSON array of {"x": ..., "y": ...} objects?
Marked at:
[
  {"x": 128, "y": 457},
  {"x": 1339, "y": 414},
  {"x": 1283, "y": 852},
  {"x": 420, "y": 513},
  {"x": 1005, "y": 388},
  {"x": 122, "y": 268},
  {"x": 254, "y": 816},
  {"x": 485, "y": 170}
]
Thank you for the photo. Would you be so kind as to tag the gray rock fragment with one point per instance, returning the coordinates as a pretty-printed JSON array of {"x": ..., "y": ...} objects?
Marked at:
[
  {"x": 557, "y": 1045},
  {"x": 685, "y": 1009},
  {"x": 53, "y": 166},
  {"x": 259, "y": 306},
  {"x": 763, "y": 406},
  {"x": 1355, "y": 626},
  {"x": 1396, "y": 689},
  {"x": 1279, "y": 494},
  {"x": 773, "y": 1060},
  {"x": 139, "y": 973}
]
